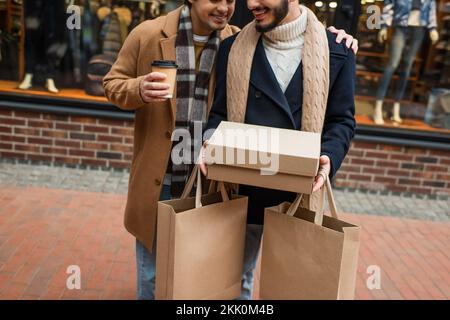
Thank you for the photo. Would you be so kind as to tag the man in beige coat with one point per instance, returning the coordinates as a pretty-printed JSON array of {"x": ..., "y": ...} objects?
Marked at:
[{"x": 132, "y": 86}]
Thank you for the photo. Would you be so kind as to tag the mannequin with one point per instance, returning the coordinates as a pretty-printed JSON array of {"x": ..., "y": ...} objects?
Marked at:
[
  {"x": 43, "y": 38},
  {"x": 411, "y": 20}
]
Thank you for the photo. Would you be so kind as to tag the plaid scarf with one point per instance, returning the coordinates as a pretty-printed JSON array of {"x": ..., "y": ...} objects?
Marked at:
[{"x": 192, "y": 94}]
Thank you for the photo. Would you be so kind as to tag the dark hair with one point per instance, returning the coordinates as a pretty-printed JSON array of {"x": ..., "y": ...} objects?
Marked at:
[{"x": 186, "y": 2}]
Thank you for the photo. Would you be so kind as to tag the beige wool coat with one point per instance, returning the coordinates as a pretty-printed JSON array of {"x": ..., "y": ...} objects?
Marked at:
[{"x": 154, "y": 122}]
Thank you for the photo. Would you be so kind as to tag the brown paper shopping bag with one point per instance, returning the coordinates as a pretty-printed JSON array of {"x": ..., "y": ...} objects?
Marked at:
[
  {"x": 200, "y": 245},
  {"x": 306, "y": 255}
]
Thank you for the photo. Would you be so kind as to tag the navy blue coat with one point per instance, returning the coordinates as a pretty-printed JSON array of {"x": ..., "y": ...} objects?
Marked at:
[{"x": 267, "y": 105}]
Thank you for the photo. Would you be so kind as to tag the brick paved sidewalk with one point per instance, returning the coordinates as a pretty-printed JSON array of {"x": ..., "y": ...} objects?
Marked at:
[{"x": 43, "y": 231}]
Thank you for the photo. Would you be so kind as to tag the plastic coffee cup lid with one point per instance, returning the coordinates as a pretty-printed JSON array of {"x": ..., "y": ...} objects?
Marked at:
[{"x": 164, "y": 64}]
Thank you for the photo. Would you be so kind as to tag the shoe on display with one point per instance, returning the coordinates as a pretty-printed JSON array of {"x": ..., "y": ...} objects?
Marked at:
[
  {"x": 27, "y": 82},
  {"x": 50, "y": 85}
]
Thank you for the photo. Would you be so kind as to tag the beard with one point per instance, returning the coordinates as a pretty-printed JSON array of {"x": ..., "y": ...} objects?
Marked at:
[{"x": 279, "y": 13}]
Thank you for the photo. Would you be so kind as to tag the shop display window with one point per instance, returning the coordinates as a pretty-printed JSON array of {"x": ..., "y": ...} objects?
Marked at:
[
  {"x": 45, "y": 52},
  {"x": 424, "y": 103}
]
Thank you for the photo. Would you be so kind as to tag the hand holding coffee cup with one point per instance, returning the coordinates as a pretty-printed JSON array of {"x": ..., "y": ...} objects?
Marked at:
[
  {"x": 160, "y": 83},
  {"x": 152, "y": 87}
]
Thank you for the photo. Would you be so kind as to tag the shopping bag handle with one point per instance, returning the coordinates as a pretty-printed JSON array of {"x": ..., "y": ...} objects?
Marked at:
[
  {"x": 331, "y": 202},
  {"x": 213, "y": 187},
  {"x": 189, "y": 183},
  {"x": 319, "y": 215},
  {"x": 198, "y": 192},
  {"x": 294, "y": 206}
]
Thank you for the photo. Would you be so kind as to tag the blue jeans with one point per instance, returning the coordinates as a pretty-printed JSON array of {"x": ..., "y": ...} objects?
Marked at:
[
  {"x": 253, "y": 236},
  {"x": 402, "y": 35},
  {"x": 146, "y": 261}
]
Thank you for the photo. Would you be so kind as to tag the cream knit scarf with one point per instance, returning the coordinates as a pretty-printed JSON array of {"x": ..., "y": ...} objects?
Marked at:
[{"x": 315, "y": 57}]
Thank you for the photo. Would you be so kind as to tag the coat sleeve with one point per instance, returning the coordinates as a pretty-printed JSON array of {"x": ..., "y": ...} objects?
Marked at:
[
  {"x": 122, "y": 83},
  {"x": 218, "y": 111},
  {"x": 339, "y": 124}
]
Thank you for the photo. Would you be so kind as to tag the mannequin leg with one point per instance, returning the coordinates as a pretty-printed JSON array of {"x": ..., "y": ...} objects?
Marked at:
[
  {"x": 415, "y": 39},
  {"x": 30, "y": 58},
  {"x": 30, "y": 61},
  {"x": 33, "y": 39},
  {"x": 397, "y": 45},
  {"x": 50, "y": 82},
  {"x": 27, "y": 82},
  {"x": 398, "y": 42},
  {"x": 378, "y": 112},
  {"x": 50, "y": 85},
  {"x": 396, "y": 113}
]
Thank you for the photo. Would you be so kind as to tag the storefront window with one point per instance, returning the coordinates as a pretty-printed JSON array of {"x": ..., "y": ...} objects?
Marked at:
[
  {"x": 421, "y": 102},
  {"x": 40, "y": 55}
]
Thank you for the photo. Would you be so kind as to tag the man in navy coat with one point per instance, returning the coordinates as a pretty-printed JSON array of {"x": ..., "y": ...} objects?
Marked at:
[{"x": 272, "y": 101}]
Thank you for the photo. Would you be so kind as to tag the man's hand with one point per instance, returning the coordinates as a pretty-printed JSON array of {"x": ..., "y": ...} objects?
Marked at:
[
  {"x": 434, "y": 36},
  {"x": 324, "y": 171},
  {"x": 151, "y": 90},
  {"x": 349, "y": 40},
  {"x": 201, "y": 159},
  {"x": 382, "y": 35}
]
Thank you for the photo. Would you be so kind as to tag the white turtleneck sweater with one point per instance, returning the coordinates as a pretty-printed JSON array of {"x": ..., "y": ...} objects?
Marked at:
[{"x": 283, "y": 46}]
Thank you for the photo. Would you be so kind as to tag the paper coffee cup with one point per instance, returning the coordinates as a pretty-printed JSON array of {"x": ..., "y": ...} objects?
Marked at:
[{"x": 169, "y": 68}]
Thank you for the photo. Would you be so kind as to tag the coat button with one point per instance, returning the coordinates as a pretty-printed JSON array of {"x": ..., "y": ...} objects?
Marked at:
[
  {"x": 168, "y": 135},
  {"x": 258, "y": 94},
  {"x": 157, "y": 182}
]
